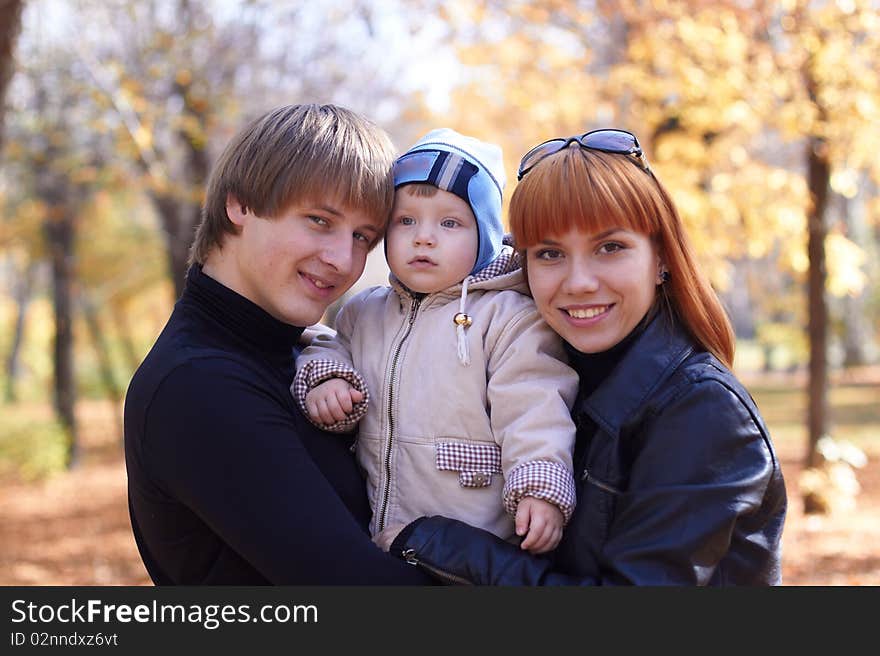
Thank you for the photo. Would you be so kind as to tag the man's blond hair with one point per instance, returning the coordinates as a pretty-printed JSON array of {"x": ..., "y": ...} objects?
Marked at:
[{"x": 298, "y": 153}]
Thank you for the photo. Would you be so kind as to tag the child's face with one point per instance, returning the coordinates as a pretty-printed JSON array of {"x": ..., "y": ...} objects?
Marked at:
[{"x": 431, "y": 241}]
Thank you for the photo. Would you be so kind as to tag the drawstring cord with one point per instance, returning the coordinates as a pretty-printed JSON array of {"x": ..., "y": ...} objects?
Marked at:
[{"x": 462, "y": 321}]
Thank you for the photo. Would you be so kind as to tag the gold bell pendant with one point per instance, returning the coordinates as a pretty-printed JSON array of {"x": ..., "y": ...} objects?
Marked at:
[{"x": 461, "y": 319}]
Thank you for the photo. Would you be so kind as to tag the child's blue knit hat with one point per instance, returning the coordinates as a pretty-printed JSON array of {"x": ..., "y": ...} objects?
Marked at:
[{"x": 471, "y": 169}]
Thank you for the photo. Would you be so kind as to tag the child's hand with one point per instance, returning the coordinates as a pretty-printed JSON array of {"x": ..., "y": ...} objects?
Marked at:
[
  {"x": 385, "y": 538},
  {"x": 332, "y": 401},
  {"x": 543, "y": 521}
]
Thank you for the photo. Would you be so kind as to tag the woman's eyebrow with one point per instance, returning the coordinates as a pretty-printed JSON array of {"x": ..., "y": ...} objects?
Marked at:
[
  {"x": 607, "y": 233},
  {"x": 601, "y": 235}
]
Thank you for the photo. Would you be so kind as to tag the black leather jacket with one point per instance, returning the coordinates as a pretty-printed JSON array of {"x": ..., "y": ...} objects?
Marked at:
[{"x": 678, "y": 483}]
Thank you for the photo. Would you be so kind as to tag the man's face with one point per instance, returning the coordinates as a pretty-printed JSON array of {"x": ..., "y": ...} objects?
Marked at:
[{"x": 296, "y": 264}]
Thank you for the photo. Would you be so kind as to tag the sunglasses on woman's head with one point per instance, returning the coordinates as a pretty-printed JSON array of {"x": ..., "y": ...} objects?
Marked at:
[{"x": 618, "y": 142}]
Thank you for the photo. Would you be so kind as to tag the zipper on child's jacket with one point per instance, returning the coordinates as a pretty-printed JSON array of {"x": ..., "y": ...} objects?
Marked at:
[
  {"x": 410, "y": 557},
  {"x": 383, "y": 507}
]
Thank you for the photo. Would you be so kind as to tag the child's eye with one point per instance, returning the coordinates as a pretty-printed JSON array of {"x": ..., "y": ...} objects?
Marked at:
[
  {"x": 407, "y": 220},
  {"x": 449, "y": 223},
  {"x": 548, "y": 254}
]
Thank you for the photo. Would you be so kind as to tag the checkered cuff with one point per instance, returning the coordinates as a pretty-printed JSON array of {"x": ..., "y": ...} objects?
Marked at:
[
  {"x": 541, "y": 479},
  {"x": 315, "y": 372}
]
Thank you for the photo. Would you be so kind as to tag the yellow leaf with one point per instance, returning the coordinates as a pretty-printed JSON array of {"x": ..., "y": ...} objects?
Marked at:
[
  {"x": 844, "y": 260},
  {"x": 845, "y": 182},
  {"x": 143, "y": 137}
]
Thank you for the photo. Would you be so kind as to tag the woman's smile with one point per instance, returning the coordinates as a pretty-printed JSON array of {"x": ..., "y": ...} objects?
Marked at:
[{"x": 587, "y": 312}]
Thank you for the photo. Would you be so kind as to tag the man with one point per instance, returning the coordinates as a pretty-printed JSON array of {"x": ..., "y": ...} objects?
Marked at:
[{"x": 227, "y": 482}]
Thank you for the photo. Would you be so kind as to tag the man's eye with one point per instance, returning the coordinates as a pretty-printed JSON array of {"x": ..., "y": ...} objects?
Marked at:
[
  {"x": 359, "y": 236},
  {"x": 318, "y": 220}
]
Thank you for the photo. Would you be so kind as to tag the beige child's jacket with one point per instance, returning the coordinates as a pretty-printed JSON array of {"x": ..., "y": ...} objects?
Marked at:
[{"x": 441, "y": 437}]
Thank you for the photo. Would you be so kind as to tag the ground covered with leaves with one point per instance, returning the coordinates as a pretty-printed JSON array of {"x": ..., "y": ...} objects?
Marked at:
[{"x": 73, "y": 528}]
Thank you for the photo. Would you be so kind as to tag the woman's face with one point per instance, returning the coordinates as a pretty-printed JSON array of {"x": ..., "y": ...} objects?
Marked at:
[{"x": 593, "y": 289}]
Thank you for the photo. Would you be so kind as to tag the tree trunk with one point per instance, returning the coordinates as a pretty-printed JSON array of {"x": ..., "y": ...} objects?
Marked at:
[
  {"x": 198, "y": 168},
  {"x": 123, "y": 329},
  {"x": 739, "y": 301},
  {"x": 180, "y": 217},
  {"x": 170, "y": 212},
  {"x": 10, "y": 25},
  {"x": 859, "y": 347},
  {"x": 60, "y": 235},
  {"x": 818, "y": 177},
  {"x": 105, "y": 362},
  {"x": 22, "y": 292}
]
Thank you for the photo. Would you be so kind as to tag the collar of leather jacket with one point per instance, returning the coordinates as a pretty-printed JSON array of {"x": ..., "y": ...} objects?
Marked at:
[{"x": 646, "y": 365}]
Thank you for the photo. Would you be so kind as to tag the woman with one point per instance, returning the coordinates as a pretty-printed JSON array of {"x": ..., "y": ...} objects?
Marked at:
[{"x": 678, "y": 482}]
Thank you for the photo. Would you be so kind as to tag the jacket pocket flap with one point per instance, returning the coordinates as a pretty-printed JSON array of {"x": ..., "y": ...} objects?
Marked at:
[{"x": 484, "y": 457}]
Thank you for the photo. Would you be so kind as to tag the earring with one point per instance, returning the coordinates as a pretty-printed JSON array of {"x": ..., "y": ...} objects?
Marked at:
[{"x": 664, "y": 276}]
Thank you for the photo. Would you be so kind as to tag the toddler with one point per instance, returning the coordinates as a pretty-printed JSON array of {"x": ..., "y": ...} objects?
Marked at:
[{"x": 460, "y": 389}]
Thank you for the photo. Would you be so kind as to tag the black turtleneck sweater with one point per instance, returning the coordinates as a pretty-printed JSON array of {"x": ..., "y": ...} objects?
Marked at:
[
  {"x": 592, "y": 369},
  {"x": 228, "y": 483}
]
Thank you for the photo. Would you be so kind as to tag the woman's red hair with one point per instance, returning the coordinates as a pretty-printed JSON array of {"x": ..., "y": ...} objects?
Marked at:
[{"x": 592, "y": 191}]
